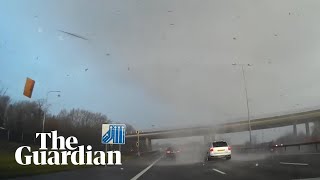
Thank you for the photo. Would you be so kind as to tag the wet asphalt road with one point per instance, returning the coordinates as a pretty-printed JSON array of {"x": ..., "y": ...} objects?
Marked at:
[{"x": 192, "y": 166}]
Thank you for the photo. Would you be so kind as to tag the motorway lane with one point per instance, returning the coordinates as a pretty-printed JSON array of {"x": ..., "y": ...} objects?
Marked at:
[
  {"x": 127, "y": 170},
  {"x": 267, "y": 168},
  {"x": 191, "y": 165},
  {"x": 218, "y": 169}
]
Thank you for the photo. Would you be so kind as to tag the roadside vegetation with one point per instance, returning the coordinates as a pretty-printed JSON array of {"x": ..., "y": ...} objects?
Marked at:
[
  {"x": 20, "y": 120},
  {"x": 9, "y": 168}
]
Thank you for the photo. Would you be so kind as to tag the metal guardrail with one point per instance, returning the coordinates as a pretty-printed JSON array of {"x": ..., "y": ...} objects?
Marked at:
[
  {"x": 298, "y": 145},
  {"x": 279, "y": 147}
]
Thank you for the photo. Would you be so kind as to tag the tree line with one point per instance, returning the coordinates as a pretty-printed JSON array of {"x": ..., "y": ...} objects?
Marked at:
[{"x": 22, "y": 119}]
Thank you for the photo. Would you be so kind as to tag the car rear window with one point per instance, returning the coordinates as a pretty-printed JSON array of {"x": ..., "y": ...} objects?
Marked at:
[{"x": 219, "y": 144}]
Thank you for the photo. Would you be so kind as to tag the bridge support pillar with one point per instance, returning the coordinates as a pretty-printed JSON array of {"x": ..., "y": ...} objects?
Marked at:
[
  {"x": 295, "y": 133},
  {"x": 148, "y": 144},
  {"x": 307, "y": 129},
  {"x": 316, "y": 128}
]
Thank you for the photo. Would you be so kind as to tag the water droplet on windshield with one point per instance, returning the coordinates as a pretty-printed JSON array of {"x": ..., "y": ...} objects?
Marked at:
[
  {"x": 60, "y": 38},
  {"x": 40, "y": 30}
]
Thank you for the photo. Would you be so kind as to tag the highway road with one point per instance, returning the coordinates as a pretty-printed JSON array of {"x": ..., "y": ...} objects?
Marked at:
[
  {"x": 289, "y": 167},
  {"x": 190, "y": 165}
]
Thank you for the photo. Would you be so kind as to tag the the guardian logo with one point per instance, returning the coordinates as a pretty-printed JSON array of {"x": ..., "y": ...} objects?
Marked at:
[{"x": 68, "y": 151}]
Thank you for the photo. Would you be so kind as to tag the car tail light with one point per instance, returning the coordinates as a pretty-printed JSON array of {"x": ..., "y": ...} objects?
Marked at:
[
  {"x": 211, "y": 149},
  {"x": 229, "y": 148}
]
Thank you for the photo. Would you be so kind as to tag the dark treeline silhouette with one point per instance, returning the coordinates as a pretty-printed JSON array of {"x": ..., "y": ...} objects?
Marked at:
[{"x": 19, "y": 121}]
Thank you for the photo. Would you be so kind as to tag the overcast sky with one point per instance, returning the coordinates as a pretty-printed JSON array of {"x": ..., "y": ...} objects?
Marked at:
[{"x": 164, "y": 63}]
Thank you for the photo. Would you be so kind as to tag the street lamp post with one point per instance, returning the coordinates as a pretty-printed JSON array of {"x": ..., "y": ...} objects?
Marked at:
[
  {"x": 44, "y": 114},
  {"x": 246, "y": 93}
]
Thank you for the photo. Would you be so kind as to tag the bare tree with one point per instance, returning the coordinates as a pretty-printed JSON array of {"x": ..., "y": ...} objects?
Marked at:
[
  {"x": 4, "y": 104},
  {"x": 25, "y": 119}
]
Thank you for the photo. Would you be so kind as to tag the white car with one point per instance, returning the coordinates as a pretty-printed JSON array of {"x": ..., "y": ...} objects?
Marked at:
[{"x": 219, "y": 149}]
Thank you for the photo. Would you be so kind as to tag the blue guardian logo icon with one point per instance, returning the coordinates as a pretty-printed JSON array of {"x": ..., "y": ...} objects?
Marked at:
[{"x": 113, "y": 133}]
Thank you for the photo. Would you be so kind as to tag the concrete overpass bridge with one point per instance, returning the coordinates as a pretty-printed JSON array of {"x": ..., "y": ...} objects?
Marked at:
[{"x": 240, "y": 126}]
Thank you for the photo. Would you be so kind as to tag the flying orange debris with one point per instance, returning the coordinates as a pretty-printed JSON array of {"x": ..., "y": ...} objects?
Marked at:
[{"x": 28, "y": 88}]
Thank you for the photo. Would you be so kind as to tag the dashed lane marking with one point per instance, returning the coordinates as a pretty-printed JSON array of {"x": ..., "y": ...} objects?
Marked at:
[
  {"x": 296, "y": 164},
  {"x": 217, "y": 170},
  {"x": 145, "y": 170}
]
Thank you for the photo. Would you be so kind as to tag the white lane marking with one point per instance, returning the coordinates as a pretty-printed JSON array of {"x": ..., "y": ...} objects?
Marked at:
[
  {"x": 297, "y": 164},
  {"x": 217, "y": 170},
  {"x": 299, "y": 154},
  {"x": 317, "y": 178},
  {"x": 145, "y": 170}
]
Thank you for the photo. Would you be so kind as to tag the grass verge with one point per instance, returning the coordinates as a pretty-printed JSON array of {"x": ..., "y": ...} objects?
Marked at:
[{"x": 10, "y": 168}]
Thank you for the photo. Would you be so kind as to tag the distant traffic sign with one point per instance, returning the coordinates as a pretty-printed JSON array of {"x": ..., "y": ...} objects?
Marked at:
[{"x": 113, "y": 134}]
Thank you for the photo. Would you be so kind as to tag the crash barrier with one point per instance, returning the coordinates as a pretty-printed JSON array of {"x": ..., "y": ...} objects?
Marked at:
[{"x": 310, "y": 147}]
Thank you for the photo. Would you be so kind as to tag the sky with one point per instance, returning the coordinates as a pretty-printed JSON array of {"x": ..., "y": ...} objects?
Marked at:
[{"x": 164, "y": 64}]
